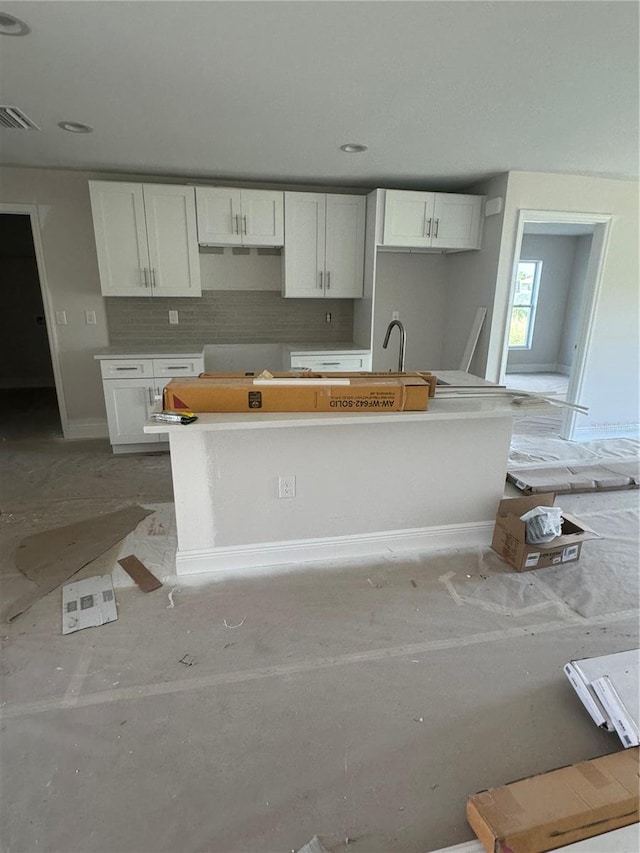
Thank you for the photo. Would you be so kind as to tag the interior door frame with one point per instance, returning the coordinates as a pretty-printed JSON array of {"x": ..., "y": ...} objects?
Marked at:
[
  {"x": 592, "y": 287},
  {"x": 31, "y": 210}
]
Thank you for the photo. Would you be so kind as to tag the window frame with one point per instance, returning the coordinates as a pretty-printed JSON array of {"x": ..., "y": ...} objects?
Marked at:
[{"x": 535, "y": 291}]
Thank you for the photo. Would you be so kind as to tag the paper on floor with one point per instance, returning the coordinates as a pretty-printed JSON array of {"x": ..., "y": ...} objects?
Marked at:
[{"x": 88, "y": 603}]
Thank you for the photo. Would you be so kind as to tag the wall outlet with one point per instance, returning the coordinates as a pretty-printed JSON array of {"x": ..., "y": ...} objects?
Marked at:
[
  {"x": 61, "y": 318},
  {"x": 90, "y": 318},
  {"x": 327, "y": 317},
  {"x": 287, "y": 486},
  {"x": 173, "y": 318},
  {"x": 395, "y": 315}
]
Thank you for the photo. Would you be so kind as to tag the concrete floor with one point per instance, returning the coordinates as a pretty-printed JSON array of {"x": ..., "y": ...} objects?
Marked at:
[{"x": 360, "y": 702}]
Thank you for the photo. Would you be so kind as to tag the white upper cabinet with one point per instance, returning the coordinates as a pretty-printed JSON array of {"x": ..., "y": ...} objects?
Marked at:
[
  {"x": 441, "y": 221},
  {"x": 324, "y": 245},
  {"x": 234, "y": 217},
  {"x": 146, "y": 239}
]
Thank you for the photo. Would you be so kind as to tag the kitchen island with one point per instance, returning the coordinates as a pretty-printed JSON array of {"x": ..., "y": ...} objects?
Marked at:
[{"x": 366, "y": 484}]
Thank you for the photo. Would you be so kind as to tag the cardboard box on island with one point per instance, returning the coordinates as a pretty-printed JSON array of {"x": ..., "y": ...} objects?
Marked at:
[
  {"x": 509, "y": 536},
  {"x": 300, "y": 391}
]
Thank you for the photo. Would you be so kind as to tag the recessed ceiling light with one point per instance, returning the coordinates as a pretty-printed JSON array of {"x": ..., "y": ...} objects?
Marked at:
[
  {"x": 75, "y": 127},
  {"x": 353, "y": 147},
  {"x": 10, "y": 26}
]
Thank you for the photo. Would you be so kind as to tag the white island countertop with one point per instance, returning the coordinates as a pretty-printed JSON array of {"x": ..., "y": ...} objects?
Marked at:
[{"x": 466, "y": 408}]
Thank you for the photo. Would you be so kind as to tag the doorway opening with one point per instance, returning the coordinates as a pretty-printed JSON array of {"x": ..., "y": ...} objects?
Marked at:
[
  {"x": 29, "y": 403},
  {"x": 557, "y": 272}
]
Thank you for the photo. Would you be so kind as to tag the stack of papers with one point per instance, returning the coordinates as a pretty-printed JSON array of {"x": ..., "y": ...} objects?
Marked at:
[{"x": 609, "y": 688}]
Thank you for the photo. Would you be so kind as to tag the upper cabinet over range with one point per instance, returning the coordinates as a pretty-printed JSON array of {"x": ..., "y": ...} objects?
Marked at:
[
  {"x": 233, "y": 217},
  {"x": 324, "y": 247},
  {"x": 146, "y": 239},
  {"x": 440, "y": 221}
]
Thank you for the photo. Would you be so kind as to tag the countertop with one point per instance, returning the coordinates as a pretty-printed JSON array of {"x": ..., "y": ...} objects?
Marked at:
[
  {"x": 468, "y": 408},
  {"x": 321, "y": 349},
  {"x": 150, "y": 351}
]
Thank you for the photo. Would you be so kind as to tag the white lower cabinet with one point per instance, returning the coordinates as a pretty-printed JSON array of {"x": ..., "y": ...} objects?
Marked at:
[{"x": 132, "y": 388}]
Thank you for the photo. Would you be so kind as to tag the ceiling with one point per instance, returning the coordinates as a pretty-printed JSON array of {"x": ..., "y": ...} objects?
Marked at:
[{"x": 443, "y": 93}]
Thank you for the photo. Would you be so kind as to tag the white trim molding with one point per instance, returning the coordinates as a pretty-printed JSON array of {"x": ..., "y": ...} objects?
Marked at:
[
  {"x": 601, "y": 223},
  {"x": 265, "y": 557},
  {"x": 31, "y": 210},
  {"x": 87, "y": 429},
  {"x": 593, "y": 432}
]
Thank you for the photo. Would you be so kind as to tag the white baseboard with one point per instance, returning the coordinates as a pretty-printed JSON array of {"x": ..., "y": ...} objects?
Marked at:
[
  {"x": 263, "y": 557},
  {"x": 564, "y": 369},
  {"x": 142, "y": 447},
  {"x": 593, "y": 432},
  {"x": 87, "y": 429},
  {"x": 531, "y": 368}
]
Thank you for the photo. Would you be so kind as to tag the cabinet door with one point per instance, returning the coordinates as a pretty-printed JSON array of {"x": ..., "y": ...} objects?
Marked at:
[
  {"x": 219, "y": 212},
  {"x": 173, "y": 242},
  {"x": 121, "y": 238},
  {"x": 129, "y": 403},
  {"x": 262, "y": 218},
  {"x": 408, "y": 218},
  {"x": 456, "y": 223},
  {"x": 304, "y": 224},
  {"x": 344, "y": 249}
]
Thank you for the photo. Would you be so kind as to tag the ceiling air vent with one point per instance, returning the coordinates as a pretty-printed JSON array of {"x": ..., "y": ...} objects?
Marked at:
[{"x": 14, "y": 118}]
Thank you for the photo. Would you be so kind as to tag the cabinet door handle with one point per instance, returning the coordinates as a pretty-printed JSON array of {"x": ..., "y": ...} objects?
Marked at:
[
  {"x": 321, "y": 274},
  {"x": 428, "y": 232},
  {"x": 328, "y": 280},
  {"x": 331, "y": 363},
  {"x": 150, "y": 392},
  {"x": 126, "y": 368},
  {"x": 435, "y": 227},
  {"x": 153, "y": 277},
  {"x": 244, "y": 220},
  {"x": 177, "y": 367}
]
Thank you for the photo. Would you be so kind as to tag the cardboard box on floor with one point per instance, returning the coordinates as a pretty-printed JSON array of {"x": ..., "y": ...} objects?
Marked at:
[
  {"x": 509, "y": 536},
  {"x": 555, "y": 809},
  {"x": 299, "y": 392}
]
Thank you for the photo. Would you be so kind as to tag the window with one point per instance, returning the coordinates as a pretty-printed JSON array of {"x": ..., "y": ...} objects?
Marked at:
[{"x": 523, "y": 310}]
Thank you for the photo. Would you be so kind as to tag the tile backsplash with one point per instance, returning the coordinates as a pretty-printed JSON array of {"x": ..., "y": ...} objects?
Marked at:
[{"x": 228, "y": 317}]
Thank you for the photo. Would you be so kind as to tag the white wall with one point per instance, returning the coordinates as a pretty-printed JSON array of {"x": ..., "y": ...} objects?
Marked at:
[
  {"x": 415, "y": 285},
  {"x": 557, "y": 254},
  {"x": 611, "y": 377},
  {"x": 471, "y": 285},
  {"x": 568, "y": 343},
  {"x": 246, "y": 269}
]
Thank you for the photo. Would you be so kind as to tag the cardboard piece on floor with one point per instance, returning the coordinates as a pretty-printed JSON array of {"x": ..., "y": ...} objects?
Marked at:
[
  {"x": 140, "y": 573},
  {"x": 608, "y": 687},
  {"x": 586, "y": 477},
  {"x": 558, "y": 808},
  {"x": 53, "y": 556},
  {"x": 88, "y": 603}
]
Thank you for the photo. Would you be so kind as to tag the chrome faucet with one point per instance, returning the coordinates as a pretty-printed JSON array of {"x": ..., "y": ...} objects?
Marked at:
[{"x": 403, "y": 342}]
